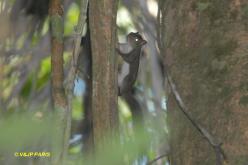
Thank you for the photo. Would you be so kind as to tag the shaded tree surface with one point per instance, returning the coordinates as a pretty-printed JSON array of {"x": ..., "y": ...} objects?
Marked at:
[
  {"x": 85, "y": 62},
  {"x": 102, "y": 17},
  {"x": 205, "y": 48}
]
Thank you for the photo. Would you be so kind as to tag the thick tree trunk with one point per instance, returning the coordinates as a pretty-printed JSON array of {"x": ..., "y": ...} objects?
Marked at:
[
  {"x": 104, "y": 73},
  {"x": 206, "y": 52}
]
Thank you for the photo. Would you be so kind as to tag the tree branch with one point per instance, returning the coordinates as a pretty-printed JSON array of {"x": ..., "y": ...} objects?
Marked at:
[
  {"x": 157, "y": 158},
  {"x": 69, "y": 82}
]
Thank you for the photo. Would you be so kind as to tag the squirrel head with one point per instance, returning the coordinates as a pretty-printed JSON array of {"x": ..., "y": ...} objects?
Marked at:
[{"x": 135, "y": 39}]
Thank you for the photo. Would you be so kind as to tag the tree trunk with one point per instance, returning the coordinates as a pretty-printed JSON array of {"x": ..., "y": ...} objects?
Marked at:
[
  {"x": 104, "y": 73},
  {"x": 62, "y": 115},
  {"x": 206, "y": 52}
]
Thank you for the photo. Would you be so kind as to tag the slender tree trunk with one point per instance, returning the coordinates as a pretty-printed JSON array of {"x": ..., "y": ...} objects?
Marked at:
[
  {"x": 206, "y": 52},
  {"x": 58, "y": 92},
  {"x": 57, "y": 30},
  {"x": 104, "y": 73}
]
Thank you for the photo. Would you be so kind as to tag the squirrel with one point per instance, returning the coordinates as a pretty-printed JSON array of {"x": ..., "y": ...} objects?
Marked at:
[{"x": 130, "y": 52}]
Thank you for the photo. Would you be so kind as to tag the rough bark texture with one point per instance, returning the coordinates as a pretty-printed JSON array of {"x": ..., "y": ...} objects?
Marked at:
[
  {"x": 62, "y": 129},
  {"x": 206, "y": 51},
  {"x": 104, "y": 95},
  {"x": 56, "y": 16}
]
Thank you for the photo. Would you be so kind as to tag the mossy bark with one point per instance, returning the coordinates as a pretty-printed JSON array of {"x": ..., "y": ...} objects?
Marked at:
[{"x": 206, "y": 51}]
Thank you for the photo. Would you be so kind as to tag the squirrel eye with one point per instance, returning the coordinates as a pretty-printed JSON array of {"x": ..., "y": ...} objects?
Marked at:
[{"x": 136, "y": 39}]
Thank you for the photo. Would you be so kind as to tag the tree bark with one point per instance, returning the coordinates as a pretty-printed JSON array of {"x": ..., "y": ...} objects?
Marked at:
[
  {"x": 205, "y": 49},
  {"x": 60, "y": 137},
  {"x": 57, "y": 30},
  {"x": 104, "y": 73}
]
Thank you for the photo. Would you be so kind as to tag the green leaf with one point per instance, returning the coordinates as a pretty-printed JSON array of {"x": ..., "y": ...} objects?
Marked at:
[{"x": 71, "y": 19}]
